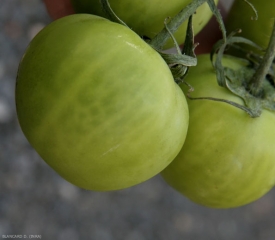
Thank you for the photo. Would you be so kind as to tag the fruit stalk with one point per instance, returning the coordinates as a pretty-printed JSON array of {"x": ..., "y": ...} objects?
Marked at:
[
  {"x": 161, "y": 38},
  {"x": 259, "y": 76}
]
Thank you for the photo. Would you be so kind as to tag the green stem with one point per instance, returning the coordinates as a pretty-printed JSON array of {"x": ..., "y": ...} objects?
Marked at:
[
  {"x": 259, "y": 76},
  {"x": 161, "y": 38}
]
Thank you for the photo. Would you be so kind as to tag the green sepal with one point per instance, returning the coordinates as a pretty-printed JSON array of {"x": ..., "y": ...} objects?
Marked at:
[{"x": 237, "y": 81}]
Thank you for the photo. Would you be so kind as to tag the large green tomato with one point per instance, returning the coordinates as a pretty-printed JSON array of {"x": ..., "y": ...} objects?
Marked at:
[
  {"x": 147, "y": 17},
  {"x": 259, "y": 31},
  {"x": 98, "y": 104},
  {"x": 228, "y": 157}
]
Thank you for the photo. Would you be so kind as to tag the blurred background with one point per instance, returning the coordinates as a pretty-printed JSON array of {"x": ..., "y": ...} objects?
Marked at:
[{"x": 35, "y": 200}]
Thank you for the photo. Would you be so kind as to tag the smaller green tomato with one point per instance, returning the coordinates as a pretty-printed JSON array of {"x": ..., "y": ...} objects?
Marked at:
[
  {"x": 147, "y": 17},
  {"x": 228, "y": 157},
  {"x": 98, "y": 104}
]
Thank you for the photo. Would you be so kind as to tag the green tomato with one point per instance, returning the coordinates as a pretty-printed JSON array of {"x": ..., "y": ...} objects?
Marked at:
[
  {"x": 147, "y": 18},
  {"x": 228, "y": 157},
  {"x": 259, "y": 31},
  {"x": 98, "y": 104}
]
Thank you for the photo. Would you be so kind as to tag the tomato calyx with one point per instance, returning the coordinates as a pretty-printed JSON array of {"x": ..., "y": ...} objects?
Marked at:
[
  {"x": 161, "y": 38},
  {"x": 179, "y": 63},
  {"x": 254, "y": 82}
]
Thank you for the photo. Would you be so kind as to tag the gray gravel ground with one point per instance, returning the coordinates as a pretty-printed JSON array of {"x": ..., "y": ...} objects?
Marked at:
[{"x": 34, "y": 200}]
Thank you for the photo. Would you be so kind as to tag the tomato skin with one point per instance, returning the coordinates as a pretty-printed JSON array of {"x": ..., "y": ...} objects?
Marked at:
[
  {"x": 147, "y": 18},
  {"x": 104, "y": 118},
  {"x": 228, "y": 157},
  {"x": 259, "y": 31}
]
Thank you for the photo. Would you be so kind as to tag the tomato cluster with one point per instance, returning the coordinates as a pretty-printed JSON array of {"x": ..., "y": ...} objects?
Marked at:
[{"x": 107, "y": 110}]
